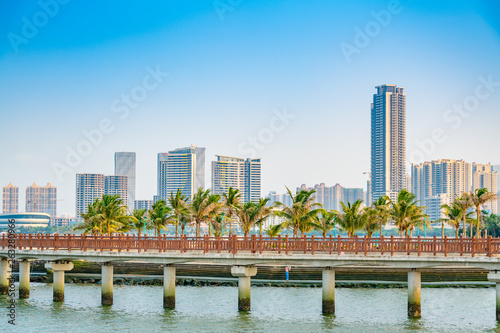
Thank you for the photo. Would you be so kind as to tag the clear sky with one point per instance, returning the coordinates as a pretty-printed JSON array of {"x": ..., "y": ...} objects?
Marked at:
[{"x": 296, "y": 76}]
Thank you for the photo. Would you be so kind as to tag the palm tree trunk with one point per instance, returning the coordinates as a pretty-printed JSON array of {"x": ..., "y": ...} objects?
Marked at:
[
  {"x": 464, "y": 231},
  {"x": 457, "y": 232},
  {"x": 442, "y": 229},
  {"x": 478, "y": 213},
  {"x": 176, "y": 226}
]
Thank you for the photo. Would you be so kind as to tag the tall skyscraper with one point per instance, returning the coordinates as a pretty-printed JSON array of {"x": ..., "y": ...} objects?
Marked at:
[
  {"x": 41, "y": 199},
  {"x": 10, "y": 199},
  {"x": 483, "y": 176},
  {"x": 125, "y": 166},
  {"x": 89, "y": 186},
  {"x": 388, "y": 143},
  {"x": 143, "y": 204},
  {"x": 182, "y": 168},
  {"x": 117, "y": 185},
  {"x": 238, "y": 173},
  {"x": 332, "y": 196}
]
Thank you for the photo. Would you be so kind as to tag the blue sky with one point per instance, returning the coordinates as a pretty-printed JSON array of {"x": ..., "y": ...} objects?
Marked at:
[{"x": 232, "y": 65}]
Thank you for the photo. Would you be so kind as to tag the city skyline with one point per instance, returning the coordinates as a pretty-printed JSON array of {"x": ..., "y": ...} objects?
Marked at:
[{"x": 298, "y": 98}]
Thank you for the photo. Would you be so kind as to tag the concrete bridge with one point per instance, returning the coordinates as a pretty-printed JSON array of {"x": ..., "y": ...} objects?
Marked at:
[{"x": 242, "y": 254}]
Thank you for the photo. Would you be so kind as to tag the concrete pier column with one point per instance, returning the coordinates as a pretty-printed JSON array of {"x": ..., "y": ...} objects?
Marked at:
[
  {"x": 495, "y": 277},
  {"x": 24, "y": 279},
  {"x": 59, "y": 267},
  {"x": 107, "y": 284},
  {"x": 328, "y": 290},
  {"x": 169, "y": 287},
  {"x": 414, "y": 286},
  {"x": 244, "y": 274},
  {"x": 5, "y": 273}
]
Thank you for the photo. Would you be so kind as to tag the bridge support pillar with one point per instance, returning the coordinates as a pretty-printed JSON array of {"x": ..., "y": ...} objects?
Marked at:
[
  {"x": 495, "y": 277},
  {"x": 414, "y": 287},
  {"x": 244, "y": 274},
  {"x": 169, "y": 287},
  {"x": 328, "y": 290},
  {"x": 24, "y": 279},
  {"x": 5, "y": 273},
  {"x": 59, "y": 267},
  {"x": 107, "y": 284}
]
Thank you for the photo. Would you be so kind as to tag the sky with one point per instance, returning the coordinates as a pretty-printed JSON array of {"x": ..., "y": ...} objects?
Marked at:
[{"x": 288, "y": 81}]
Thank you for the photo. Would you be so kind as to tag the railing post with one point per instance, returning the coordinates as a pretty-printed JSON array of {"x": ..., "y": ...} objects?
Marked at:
[
  {"x": 84, "y": 241},
  {"x": 392, "y": 245},
  {"x": 305, "y": 243},
  {"x": 286, "y": 244},
  {"x": 435, "y": 245},
  {"x": 235, "y": 244},
  {"x": 489, "y": 246},
  {"x": 102, "y": 241},
  {"x": 279, "y": 244},
  {"x": 330, "y": 245},
  {"x": 69, "y": 242},
  {"x": 205, "y": 243},
  {"x": 356, "y": 244},
  {"x": 41, "y": 242},
  {"x": 119, "y": 243},
  {"x": 473, "y": 246},
  {"x": 312, "y": 245},
  {"x": 56, "y": 242},
  {"x": 260, "y": 244},
  {"x": 419, "y": 249},
  {"x": 445, "y": 246},
  {"x": 365, "y": 245},
  {"x": 31, "y": 242},
  {"x": 218, "y": 244},
  {"x": 339, "y": 245},
  {"x": 462, "y": 245},
  {"x": 382, "y": 244}
]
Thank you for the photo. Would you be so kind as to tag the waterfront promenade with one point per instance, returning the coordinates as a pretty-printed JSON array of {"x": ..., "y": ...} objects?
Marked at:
[{"x": 242, "y": 254}]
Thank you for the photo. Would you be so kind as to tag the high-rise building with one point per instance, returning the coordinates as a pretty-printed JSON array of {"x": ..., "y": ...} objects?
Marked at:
[
  {"x": 125, "y": 166},
  {"x": 10, "y": 199},
  {"x": 117, "y": 185},
  {"x": 332, "y": 196},
  {"x": 440, "y": 181},
  {"x": 388, "y": 141},
  {"x": 143, "y": 204},
  {"x": 182, "y": 168},
  {"x": 238, "y": 173},
  {"x": 433, "y": 206},
  {"x": 41, "y": 199},
  {"x": 89, "y": 186},
  {"x": 483, "y": 176}
]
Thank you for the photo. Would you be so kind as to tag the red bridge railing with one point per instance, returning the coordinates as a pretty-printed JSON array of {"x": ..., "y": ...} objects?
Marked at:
[{"x": 256, "y": 244}]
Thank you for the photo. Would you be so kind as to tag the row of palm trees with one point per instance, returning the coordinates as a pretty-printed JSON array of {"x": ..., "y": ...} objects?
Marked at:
[{"x": 303, "y": 215}]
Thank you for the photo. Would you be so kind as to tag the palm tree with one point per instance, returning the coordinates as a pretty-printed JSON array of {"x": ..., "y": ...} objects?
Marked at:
[
  {"x": 371, "y": 222},
  {"x": 159, "y": 216},
  {"x": 202, "y": 206},
  {"x": 380, "y": 211},
  {"x": 352, "y": 218},
  {"x": 138, "y": 219},
  {"x": 325, "y": 221},
  {"x": 453, "y": 216},
  {"x": 273, "y": 230},
  {"x": 251, "y": 214},
  {"x": 231, "y": 203},
  {"x": 406, "y": 213},
  {"x": 113, "y": 213},
  {"x": 90, "y": 223},
  {"x": 265, "y": 212},
  {"x": 478, "y": 198},
  {"x": 301, "y": 212},
  {"x": 464, "y": 202},
  {"x": 179, "y": 207}
]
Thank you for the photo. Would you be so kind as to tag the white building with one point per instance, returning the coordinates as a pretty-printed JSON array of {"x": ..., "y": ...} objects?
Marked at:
[
  {"x": 238, "y": 173},
  {"x": 117, "y": 185},
  {"x": 89, "y": 186},
  {"x": 483, "y": 176},
  {"x": 143, "y": 204},
  {"x": 125, "y": 166},
  {"x": 183, "y": 168}
]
